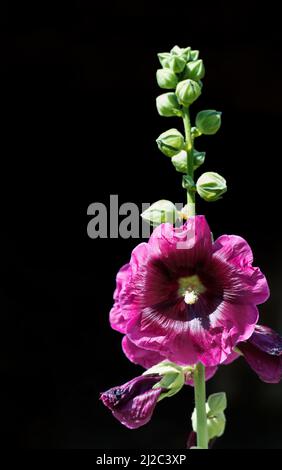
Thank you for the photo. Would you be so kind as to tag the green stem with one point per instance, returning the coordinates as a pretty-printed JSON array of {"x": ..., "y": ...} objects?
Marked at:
[
  {"x": 200, "y": 402},
  {"x": 190, "y": 164}
]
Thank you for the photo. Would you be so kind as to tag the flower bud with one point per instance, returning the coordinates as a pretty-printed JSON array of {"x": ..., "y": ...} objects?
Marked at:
[
  {"x": 187, "y": 91},
  {"x": 194, "y": 55},
  {"x": 160, "y": 212},
  {"x": 183, "y": 52},
  {"x": 173, "y": 378},
  {"x": 172, "y": 61},
  {"x": 199, "y": 158},
  {"x": 180, "y": 160},
  {"x": 167, "y": 105},
  {"x": 166, "y": 78},
  {"x": 195, "y": 70},
  {"x": 170, "y": 142},
  {"x": 211, "y": 186},
  {"x": 208, "y": 122}
]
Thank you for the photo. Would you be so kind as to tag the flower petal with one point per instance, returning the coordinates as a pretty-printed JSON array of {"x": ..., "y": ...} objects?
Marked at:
[
  {"x": 209, "y": 340},
  {"x": 268, "y": 367},
  {"x": 143, "y": 357},
  {"x": 267, "y": 340},
  {"x": 134, "y": 402},
  {"x": 250, "y": 285},
  {"x": 192, "y": 241}
]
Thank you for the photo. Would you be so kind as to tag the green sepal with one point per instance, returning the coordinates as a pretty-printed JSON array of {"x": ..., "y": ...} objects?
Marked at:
[
  {"x": 188, "y": 183},
  {"x": 173, "y": 378},
  {"x": 217, "y": 402}
]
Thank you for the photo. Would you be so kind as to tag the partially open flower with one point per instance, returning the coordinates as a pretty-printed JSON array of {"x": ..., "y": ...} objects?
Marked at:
[
  {"x": 134, "y": 402},
  {"x": 263, "y": 353},
  {"x": 186, "y": 299}
]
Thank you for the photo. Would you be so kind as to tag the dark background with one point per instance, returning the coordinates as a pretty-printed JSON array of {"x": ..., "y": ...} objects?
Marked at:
[{"x": 78, "y": 124}]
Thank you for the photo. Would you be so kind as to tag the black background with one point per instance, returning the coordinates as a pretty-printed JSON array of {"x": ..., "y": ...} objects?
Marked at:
[{"x": 78, "y": 124}]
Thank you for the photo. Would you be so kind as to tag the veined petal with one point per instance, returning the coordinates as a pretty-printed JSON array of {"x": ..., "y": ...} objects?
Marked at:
[
  {"x": 143, "y": 357},
  {"x": 268, "y": 367},
  {"x": 134, "y": 402},
  {"x": 247, "y": 283},
  {"x": 263, "y": 353},
  {"x": 267, "y": 340}
]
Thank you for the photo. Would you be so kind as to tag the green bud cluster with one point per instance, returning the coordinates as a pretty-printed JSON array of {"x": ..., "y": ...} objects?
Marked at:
[{"x": 182, "y": 73}]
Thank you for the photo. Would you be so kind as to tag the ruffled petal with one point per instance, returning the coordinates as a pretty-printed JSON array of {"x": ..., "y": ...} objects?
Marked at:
[
  {"x": 186, "y": 245},
  {"x": 263, "y": 353},
  {"x": 248, "y": 282},
  {"x": 143, "y": 357},
  {"x": 119, "y": 316},
  {"x": 267, "y": 340},
  {"x": 209, "y": 340},
  {"x": 268, "y": 367}
]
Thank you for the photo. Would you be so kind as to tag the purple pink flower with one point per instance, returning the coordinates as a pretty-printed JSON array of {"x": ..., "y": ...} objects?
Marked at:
[
  {"x": 186, "y": 299},
  {"x": 134, "y": 402}
]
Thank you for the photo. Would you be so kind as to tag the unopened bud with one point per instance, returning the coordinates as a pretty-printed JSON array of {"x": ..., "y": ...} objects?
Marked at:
[
  {"x": 160, "y": 212},
  {"x": 170, "y": 142},
  {"x": 187, "y": 91},
  {"x": 208, "y": 122},
  {"x": 167, "y": 79},
  {"x": 167, "y": 105},
  {"x": 172, "y": 61},
  {"x": 195, "y": 70},
  {"x": 211, "y": 186}
]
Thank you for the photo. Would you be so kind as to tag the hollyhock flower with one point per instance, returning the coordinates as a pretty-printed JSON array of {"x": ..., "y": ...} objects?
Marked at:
[
  {"x": 263, "y": 353},
  {"x": 186, "y": 299},
  {"x": 134, "y": 402}
]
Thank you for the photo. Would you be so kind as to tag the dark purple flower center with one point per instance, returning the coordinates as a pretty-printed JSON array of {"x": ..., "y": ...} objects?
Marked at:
[{"x": 182, "y": 292}]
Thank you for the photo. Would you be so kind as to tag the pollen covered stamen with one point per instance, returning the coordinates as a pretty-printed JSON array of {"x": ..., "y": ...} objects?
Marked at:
[
  {"x": 190, "y": 288},
  {"x": 190, "y": 297}
]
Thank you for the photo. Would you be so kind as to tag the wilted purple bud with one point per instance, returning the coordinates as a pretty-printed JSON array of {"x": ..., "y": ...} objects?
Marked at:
[
  {"x": 134, "y": 402},
  {"x": 263, "y": 353}
]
